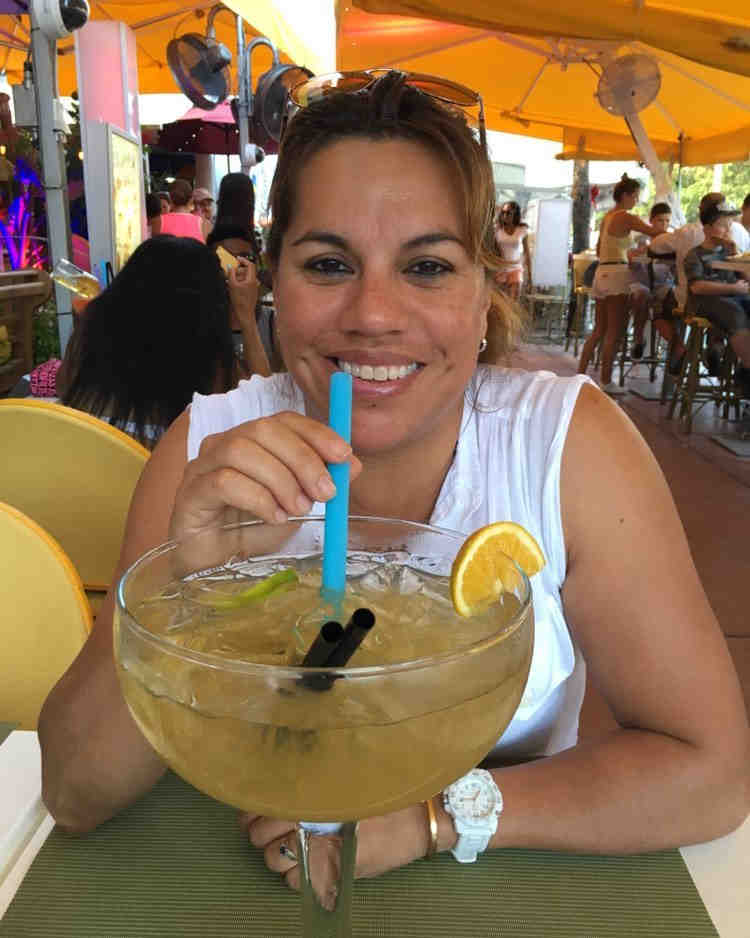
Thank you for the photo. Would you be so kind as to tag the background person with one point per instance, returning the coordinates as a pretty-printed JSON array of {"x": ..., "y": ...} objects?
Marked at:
[
  {"x": 362, "y": 284},
  {"x": 511, "y": 237},
  {"x": 234, "y": 230},
  {"x": 613, "y": 279},
  {"x": 180, "y": 220},
  {"x": 158, "y": 333},
  {"x": 153, "y": 214},
  {"x": 721, "y": 296},
  {"x": 652, "y": 289},
  {"x": 203, "y": 204}
]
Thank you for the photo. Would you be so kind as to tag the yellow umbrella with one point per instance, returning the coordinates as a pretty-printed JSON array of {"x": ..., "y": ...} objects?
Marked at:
[
  {"x": 540, "y": 80},
  {"x": 156, "y": 22}
]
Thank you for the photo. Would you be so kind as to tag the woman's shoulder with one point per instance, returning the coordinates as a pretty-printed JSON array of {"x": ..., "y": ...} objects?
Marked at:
[
  {"x": 252, "y": 399},
  {"x": 497, "y": 387}
]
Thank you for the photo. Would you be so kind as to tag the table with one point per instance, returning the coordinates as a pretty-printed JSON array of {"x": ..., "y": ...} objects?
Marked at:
[
  {"x": 719, "y": 869},
  {"x": 740, "y": 265}
]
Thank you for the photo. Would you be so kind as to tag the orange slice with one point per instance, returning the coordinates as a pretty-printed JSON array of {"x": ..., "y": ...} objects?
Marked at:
[{"x": 481, "y": 571}]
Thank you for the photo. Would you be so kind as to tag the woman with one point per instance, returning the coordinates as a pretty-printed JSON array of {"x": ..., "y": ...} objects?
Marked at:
[
  {"x": 359, "y": 280},
  {"x": 180, "y": 220},
  {"x": 159, "y": 333},
  {"x": 234, "y": 230},
  {"x": 613, "y": 279},
  {"x": 511, "y": 236}
]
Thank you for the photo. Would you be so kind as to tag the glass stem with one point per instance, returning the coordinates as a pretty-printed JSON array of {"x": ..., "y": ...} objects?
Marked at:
[{"x": 327, "y": 877}]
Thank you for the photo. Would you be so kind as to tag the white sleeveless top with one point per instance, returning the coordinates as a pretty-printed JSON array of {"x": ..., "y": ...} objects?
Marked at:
[
  {"x": 506, "y": 467},
  {"x": 510, "y": 246}
]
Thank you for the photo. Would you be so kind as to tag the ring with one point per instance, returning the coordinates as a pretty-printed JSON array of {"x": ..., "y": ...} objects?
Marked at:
[{"x": 288, "y": 853}]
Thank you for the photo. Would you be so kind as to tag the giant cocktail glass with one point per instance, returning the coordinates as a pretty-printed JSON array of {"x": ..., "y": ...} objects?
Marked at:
[{"x": 210, "y": 634}]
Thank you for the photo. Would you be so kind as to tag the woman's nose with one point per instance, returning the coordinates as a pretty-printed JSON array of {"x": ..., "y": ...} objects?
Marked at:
[{"x": 375, "y": 306}]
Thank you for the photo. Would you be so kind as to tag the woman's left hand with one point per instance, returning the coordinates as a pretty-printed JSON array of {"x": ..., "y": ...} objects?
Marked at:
[{"x": 383, "y": 843}]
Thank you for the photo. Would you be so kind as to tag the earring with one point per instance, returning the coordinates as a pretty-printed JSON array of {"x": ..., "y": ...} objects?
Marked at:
[{"x": 483, "y": 345}]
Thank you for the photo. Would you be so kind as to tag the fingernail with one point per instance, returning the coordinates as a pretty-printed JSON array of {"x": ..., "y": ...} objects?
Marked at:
[
  {"x": 325, "y": 487},
  {"x": 280, "y": 516},
  {"x": 303, "y": 504}
]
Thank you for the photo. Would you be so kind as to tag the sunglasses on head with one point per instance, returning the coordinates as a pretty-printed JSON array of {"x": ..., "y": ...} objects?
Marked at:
[{"x": 361, "y": 82}]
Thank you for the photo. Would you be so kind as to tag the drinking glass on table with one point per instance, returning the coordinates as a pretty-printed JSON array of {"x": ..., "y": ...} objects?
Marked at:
[
  {"x": 210, "y": 638},
  {"x": 78, "y": 281}
]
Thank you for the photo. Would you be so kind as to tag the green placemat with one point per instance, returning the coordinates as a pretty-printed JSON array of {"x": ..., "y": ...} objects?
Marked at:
[
  {"x": 5, "y": 730},
  {"x": 175, "y": 865}
]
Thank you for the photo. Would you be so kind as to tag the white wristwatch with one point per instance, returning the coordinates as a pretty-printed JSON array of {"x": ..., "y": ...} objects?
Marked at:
[{"x": 475, "y": 803}]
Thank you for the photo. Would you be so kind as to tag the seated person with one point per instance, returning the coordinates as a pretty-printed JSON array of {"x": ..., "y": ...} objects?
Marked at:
[
  {"x": 721, "y": 296},
  {"x": 159, "y": 333},
  {"x": 653, "y": 285}
]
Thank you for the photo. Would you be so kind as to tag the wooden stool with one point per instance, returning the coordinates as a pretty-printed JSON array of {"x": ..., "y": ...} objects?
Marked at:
[
  {"x": 679, "y": 328},
  {"x": 693, "y": 386},
  {"x": 578, "y": 326}
]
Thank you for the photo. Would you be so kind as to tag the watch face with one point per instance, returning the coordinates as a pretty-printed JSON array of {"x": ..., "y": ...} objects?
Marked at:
[{"x": 472, "y": 798}]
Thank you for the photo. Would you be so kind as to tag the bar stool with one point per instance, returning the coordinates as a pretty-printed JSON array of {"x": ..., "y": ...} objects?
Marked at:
[{"x": 694, "y": 386}]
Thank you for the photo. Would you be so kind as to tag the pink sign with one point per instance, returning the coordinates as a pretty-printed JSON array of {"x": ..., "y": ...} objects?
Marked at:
[{"x": 108, "y": 74}]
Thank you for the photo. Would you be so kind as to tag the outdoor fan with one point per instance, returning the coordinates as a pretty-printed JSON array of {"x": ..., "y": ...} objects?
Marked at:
[
  {"x": 266, "y": 107},
  {"x": 628, "y": 84},
  {"x": 200, "y": 66}
]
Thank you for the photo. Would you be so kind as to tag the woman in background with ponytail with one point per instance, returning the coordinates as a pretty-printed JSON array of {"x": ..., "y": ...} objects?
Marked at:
[{"x": 613, "y": 279}]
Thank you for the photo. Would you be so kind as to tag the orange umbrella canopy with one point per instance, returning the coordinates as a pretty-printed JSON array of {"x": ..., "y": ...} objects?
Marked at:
[
  {"x": 155, "y": 22},
  {"x": 537, "y": 64}
]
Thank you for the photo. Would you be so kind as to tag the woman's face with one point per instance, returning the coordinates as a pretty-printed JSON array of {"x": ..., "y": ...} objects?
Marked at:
[
  {"x": 374, "y": 278},
  {"x": 628, "y": 200}
]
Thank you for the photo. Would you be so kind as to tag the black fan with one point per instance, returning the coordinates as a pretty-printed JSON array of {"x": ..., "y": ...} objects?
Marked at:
[
  {"x": 270, "y": 103},
  {"x": 200, "y": 66}
]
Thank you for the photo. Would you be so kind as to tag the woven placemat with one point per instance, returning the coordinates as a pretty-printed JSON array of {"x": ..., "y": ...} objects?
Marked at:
[{"x": 175, "y": 865}]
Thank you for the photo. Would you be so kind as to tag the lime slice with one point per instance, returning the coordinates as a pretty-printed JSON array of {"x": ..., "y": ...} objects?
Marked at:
[{"x": 257, "y": 591}]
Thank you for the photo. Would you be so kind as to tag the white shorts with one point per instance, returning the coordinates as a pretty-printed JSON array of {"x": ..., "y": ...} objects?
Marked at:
[{"x": 611, "y": 280}]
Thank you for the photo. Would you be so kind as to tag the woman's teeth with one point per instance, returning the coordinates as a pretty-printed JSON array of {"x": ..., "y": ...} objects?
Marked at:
[{"x": 377, "y": 372}]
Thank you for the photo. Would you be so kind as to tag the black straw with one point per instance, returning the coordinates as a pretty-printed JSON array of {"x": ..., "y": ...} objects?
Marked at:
[
  {"x": 337, "y": 645},
  {"x": 327, "y": 640},
  {"x": 357, "y": 627}
]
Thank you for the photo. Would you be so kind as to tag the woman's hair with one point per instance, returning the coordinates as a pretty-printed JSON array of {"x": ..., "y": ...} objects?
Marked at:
[
  {"x": 235, "y": 211},
  {"x": 626, "y": 186},
  {"x": 418, "y": 118},
  {"x": 180, "y": 193},
  {"x": 516, "y": 210},
  {"x": 153, "y": 205},
  {"x": 158, "y": 333}
]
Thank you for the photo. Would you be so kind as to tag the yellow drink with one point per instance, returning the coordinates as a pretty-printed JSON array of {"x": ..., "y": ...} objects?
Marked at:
[{"x": 377, "y": 740}]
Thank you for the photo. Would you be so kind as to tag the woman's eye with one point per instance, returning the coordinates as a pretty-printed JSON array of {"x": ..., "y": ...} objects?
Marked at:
[
  {"x": 327, "y": 265},
  {"x": 429, "y": 268}
]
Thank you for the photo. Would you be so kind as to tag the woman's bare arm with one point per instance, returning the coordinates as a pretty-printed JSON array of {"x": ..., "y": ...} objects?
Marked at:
[
  {"x": 95, "y": 760},
  {"x": 677, "y": 771}
]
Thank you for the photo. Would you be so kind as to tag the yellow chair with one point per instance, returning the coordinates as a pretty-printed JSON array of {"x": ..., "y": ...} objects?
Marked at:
[
  {"x": 74, "y": 475},
  {"x": 44, "y": 616}
]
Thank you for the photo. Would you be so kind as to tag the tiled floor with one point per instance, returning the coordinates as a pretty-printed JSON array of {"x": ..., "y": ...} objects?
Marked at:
[{"x": 711, "y": 488}]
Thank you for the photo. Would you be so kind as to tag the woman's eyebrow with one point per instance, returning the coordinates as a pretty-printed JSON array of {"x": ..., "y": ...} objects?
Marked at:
[
  {"x": 324, "y": 237},
  {"x": 423, "y": 240}
]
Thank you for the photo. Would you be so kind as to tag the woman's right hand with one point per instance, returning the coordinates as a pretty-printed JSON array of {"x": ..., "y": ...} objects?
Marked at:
[{"x": 271, "y": 468}]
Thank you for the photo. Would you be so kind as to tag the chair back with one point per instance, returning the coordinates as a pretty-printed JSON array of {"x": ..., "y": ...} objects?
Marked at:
[
  {"x": 74, "y": 475},
  {"x": 581, "y": 263},
  {"x": 21, "y": 292},
  {"x": 44, "y": 616}
]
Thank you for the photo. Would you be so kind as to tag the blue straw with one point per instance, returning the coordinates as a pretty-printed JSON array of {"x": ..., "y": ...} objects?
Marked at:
[{"x": 337, "y": 509}]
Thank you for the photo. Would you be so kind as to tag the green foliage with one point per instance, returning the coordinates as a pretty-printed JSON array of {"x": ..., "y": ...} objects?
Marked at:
[
  {"x": 46, "y": 338},
  {"x": 696, "y": 181}
]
